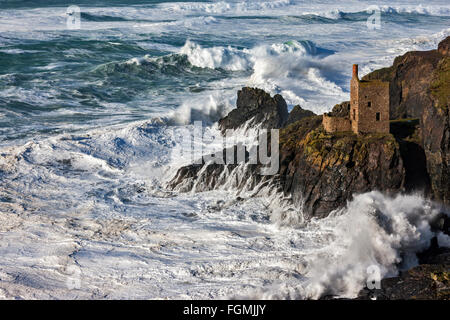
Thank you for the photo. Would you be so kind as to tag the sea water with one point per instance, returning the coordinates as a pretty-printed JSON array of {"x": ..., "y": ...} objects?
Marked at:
[{"x": 89, "y": 118}]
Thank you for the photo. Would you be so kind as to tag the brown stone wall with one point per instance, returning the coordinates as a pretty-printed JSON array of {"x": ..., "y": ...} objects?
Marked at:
[
  {"x": 373, "y": 99},
  {"x": 336, "y": 124}
]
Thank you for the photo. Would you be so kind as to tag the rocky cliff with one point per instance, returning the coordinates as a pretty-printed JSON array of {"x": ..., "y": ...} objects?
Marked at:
[
  {"x": 255, "y": 107},
  {"x": 321, "y": 172},
  {"x": 420, "y": 88}
]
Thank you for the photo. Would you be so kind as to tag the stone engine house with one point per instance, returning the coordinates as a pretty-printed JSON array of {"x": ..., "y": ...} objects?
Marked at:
[{"x": 368, "y": 111}]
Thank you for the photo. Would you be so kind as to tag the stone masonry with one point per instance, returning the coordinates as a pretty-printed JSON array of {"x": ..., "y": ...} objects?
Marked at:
[{"x": 369, "y": 108}]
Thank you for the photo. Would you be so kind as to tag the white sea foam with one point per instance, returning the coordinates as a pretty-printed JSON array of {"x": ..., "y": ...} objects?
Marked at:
[{"x": 94, "y": 199}]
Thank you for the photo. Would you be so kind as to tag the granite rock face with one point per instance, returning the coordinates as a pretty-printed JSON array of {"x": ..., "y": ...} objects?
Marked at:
[
  {"x": 420, "y": 88},
  {"x": 256, "y": 107},
  {"x": 298, "y": 113}
]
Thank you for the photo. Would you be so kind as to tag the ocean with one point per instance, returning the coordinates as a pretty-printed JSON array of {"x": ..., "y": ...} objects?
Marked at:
[{"x": 90, "y": 116}]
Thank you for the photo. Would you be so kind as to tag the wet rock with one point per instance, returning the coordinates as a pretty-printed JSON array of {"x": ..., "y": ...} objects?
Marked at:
[
  {"x": 320, "y": 171},
  {"x": 420, "y": 88},
  {"x": 325, "y": 170}
]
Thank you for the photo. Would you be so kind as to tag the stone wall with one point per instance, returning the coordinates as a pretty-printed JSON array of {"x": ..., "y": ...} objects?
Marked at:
[
  {"x": 372, "y": 113},
  {"x": 336, "y": 124},
  {"x": 369, "y": 108}
]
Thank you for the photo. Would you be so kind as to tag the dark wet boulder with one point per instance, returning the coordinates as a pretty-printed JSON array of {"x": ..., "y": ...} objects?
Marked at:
[{"x": 420, "y": 88}]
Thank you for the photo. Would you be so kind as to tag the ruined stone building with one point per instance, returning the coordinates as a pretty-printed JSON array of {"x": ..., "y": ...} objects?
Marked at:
[{"x": 368, "y": 111}]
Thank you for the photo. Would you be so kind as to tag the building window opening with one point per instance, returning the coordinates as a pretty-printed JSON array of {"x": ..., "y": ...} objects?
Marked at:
[
  {"x": 354, "y": 114},
  {"x": 369, "y": 104},
  {"x": 377, "y": 116}
]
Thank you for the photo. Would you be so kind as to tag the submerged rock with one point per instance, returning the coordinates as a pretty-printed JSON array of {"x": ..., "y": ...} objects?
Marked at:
[{"x": 424, "y": 282}]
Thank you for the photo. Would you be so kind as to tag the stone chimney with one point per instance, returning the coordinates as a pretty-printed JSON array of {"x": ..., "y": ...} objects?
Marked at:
[{"x": 355, "y": 71}]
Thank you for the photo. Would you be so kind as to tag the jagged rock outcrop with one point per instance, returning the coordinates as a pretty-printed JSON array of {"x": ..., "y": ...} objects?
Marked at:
[
  {"x": 256, "y": 107},
  {"x": 318, "y": 170},
  {"x": 435, "y": 122},
  {"x": 298, "y": 113},
  {"x": 410, "y": 79},
  {"x": 210, "y": 176}
]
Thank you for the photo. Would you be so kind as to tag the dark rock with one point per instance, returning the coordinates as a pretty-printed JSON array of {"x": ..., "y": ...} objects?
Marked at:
[
  {"x": 441, "y": 223},
  {"x": 298, "y": 113},
  {"x": 407, "y": 132},
  {"x": 321, "y": 172},
  {"x": 436, "y": 143},
  {"x": 410, "y": 78},
  {"x": 325, "y": 170},
  {"x": 434, "y": 254},
  {"x": 257, "y": 107}
]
